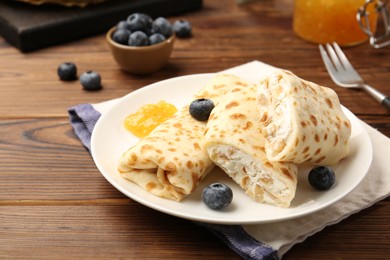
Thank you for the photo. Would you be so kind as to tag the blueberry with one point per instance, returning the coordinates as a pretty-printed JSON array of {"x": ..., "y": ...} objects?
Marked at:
[
  {"x": 322, "y": 178},
  {"x": 200, "y": 109},
  {"x": 121, "y": 36},
  {"x": 140, "y": 22},
  {"x": 217, "y": 196},
  {"x": 156, "y": 38},
  {"x": 182, "y": 28},
  {"x": 67, "y": 71},
  {"x": 91, "y": 80},
  {"x": 138, "y": 38},
  {"x": 163, "y": 26},
  {"x": 122, "y": 25}
]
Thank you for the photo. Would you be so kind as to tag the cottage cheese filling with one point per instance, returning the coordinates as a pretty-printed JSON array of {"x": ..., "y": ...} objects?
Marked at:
[
  {"x": 238, "y": 164},
  {"x": 278, "y": 131}
]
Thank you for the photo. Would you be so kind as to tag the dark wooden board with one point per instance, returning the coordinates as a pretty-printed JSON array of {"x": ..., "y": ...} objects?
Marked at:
[{"x": 29, "y": 27}]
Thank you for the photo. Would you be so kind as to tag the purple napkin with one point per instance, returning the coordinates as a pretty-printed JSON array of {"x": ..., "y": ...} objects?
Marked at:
[{"x": 83, "y": 119}]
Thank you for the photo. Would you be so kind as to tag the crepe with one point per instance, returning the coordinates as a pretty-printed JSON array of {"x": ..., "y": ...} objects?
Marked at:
[
  {"x": 302, "y": 121},
  {"x": 234, "y": 142},
  {"x": 171, "y": 161}
]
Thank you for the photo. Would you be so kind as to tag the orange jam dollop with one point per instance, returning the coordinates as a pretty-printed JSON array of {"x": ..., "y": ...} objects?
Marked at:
[{"x": 148, "y": 117}]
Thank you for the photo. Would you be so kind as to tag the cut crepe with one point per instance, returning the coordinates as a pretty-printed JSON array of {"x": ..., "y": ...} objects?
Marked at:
[
  {"x": 234, "y": 142},
  {"x": 302, "y": 121},
  {"x": 171, "y": 161}
]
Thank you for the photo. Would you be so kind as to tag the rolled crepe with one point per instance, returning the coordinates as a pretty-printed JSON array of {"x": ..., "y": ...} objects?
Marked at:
[
  {"x": 302, "y": 121},
  {"x": 171, "y": 161},
  {"x": 234, "y": 142}
]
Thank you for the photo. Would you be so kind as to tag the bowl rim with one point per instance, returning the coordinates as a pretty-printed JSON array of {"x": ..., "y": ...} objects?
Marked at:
[{"x": 138, "y": 48}]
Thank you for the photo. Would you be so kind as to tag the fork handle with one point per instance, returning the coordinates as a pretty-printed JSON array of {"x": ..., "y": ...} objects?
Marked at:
[
  {"x": 380, "y": 97},
  {"x": 386, "y": 102}
]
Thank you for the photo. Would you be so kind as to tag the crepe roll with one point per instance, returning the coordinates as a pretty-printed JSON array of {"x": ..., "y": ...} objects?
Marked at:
[
  {"x": 171, "y": 160},
  {"x": 234, "y": 141},
  {"x": 302, "y": 121}
]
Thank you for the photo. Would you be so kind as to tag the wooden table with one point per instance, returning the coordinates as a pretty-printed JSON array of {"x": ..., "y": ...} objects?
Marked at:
[{"x": 54, "y": 203}]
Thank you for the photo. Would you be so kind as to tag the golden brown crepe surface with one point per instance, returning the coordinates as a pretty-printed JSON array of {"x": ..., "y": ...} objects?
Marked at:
[
  {"x": 302, "y": 121},
  {"x": 234, "y": 141},
  {"x": 171, "y": 161}
]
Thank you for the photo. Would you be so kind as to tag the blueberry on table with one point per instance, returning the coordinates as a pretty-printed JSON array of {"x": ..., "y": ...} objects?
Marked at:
[
  {"x": 201, "y": 108},
  {"x": 67, "y": 71},
  {"x": 217, "y": 196},
  {"x": 91, "y": 80},
  {"x": 182, "y": 28},
  {"x": 121, "y": 36},
  {"x": 140, "y": 22},
  {"x": 163, "y": 26},
  {"x": 138, "y": 38},
  {"x": 156, "y": 38},
  {"x": 322, "y": 178}
]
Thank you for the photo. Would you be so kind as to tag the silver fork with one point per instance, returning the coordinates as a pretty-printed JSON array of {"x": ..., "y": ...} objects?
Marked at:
[{"x": 343, "y": 74}]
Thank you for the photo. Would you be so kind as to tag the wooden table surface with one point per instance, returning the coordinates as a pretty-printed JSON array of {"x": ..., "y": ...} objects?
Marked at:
[{"x": 54, "y": 203}]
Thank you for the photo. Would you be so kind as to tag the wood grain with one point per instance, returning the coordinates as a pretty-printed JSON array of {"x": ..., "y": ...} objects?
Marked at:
[
  {"x": 102, "y": 232},
  {"x": 54, "y": 203}
]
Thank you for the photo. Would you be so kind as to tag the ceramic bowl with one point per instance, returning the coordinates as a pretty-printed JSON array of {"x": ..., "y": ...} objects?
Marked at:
[{"x": 143, "y": 59}]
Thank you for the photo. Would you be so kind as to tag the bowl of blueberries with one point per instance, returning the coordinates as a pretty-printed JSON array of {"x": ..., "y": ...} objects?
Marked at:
[{"x": 141, "y": 45}]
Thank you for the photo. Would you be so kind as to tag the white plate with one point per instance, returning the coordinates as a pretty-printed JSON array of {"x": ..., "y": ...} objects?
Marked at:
[{"x": 110, "y": 139}]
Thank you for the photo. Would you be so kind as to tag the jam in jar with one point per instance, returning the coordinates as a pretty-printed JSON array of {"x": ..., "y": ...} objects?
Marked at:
[{"x": 326, "y": 21}]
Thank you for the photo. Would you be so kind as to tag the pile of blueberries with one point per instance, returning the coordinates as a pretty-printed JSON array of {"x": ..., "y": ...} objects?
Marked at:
[{"x": 140, "y": 29}]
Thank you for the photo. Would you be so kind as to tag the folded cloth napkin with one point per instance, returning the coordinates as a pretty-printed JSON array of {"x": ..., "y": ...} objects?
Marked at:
[{"x": 273, "y": 240}]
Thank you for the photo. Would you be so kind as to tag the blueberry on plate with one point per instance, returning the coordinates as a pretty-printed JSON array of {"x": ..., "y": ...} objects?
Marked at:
[
  {"x": 163, "y": 26},
  {"x": 91, "y": 80},
  {"x": 138, "y": 38},
  {"x": 67, "y": 71},
  {"x": 140, "y": 22},
  {"x": 217, "y": 196},
  {"x": 201, "y": 108},
  {"x": 182, "y": 28},
  {"x": 322, "y": 178},
  {"x": 156, "y": 38},
  {"x": 121, "y": 36}
]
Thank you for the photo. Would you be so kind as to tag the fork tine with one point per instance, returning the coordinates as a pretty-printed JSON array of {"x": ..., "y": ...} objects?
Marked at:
[
  {"x": 335, "y": 59},
  {"x": 328, "y": 63},
  {"x": 344, "y": 60}
]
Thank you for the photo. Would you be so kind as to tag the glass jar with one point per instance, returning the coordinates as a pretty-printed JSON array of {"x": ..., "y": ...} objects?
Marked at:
[{"x": 323, "y": 21}]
